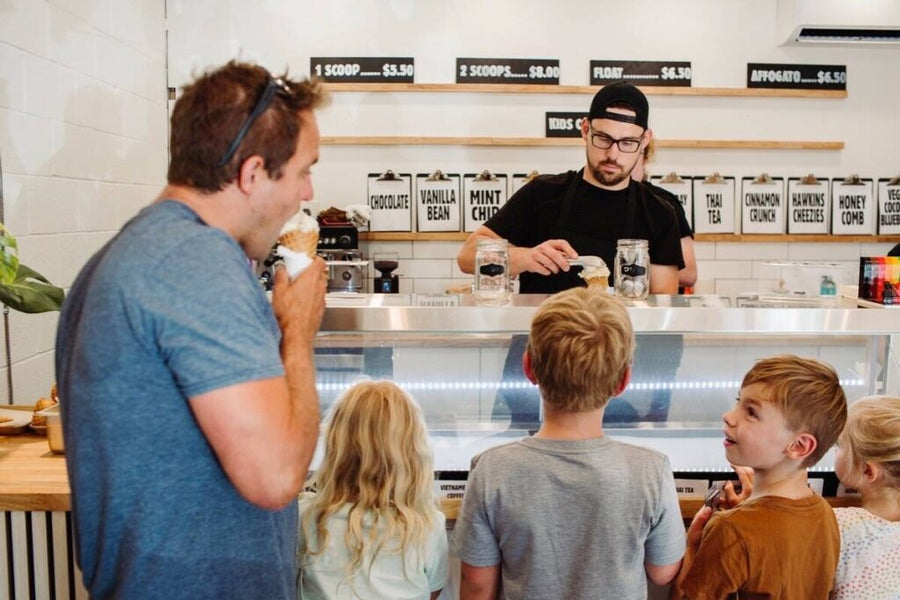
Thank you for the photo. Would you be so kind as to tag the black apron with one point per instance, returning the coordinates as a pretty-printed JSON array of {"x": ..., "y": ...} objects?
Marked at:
[{"x": 584, "y": 244}]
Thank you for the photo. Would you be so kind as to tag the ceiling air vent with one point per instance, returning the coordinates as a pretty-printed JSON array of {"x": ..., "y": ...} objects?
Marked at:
[
  {"x": 870, "y": 23},
  {"x": 847, "y": 35}
]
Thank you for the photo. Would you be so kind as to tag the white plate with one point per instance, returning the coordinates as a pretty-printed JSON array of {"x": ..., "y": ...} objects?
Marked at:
[{"x": 20, "y": 420}]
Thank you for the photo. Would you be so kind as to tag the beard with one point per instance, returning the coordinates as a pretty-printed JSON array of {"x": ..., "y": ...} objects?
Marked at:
[{"x": 610, "y": 179}]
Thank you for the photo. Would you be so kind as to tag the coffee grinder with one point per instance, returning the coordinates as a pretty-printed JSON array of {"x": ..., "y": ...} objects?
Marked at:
[{"x": 386, "y": 263}]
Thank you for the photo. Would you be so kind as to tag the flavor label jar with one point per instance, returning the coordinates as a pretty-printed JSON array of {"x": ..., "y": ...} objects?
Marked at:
[
  {"x": 492, "y": 272},
  {"x": 632, "y": 269}
]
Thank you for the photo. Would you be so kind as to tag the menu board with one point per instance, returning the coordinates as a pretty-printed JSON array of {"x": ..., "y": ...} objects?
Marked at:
[
  {"x": 483, "y": 195},
  {"x": 682, "y": 188},
  {"x": 389, "y": 200},
  {"x": 518, "y": 181},
  {"x": 762, "y": 205},
  {"x": 808, "y": 205},
  {"x": 889, "y": 206},
  {"x": 437, "y": 202},
  {"x": 852, "y": 206},
  {"x": 714, "y": 206}
]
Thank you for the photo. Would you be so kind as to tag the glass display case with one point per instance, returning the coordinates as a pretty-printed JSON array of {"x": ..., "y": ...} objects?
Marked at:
[{"x": 462, "y": 362}]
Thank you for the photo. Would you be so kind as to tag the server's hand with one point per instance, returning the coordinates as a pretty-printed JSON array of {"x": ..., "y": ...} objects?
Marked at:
[{"x": 550, "y": 257}]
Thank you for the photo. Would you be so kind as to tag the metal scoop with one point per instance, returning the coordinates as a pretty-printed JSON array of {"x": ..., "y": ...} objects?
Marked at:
[{"x": 586, "y": 261}]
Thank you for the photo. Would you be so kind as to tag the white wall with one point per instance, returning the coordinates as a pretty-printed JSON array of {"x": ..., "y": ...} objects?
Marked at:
[
  {"x": 719, "y": 38},
  {"x": 83, "y": 142}
]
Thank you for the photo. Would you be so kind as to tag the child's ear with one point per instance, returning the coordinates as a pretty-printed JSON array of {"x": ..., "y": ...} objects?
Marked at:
[
  {"x": 872, "y": 472},
  {"x": 626, "y": 379},
  {"x": 802, "y": 446},
  {"x": 526, "y": 367}
]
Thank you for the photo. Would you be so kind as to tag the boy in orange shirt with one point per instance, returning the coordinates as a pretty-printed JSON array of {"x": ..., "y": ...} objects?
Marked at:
[{"x": 782, "y": 541}]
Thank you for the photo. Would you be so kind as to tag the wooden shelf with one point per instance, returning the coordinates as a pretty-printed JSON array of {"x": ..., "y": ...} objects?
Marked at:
[
  {"x": 460, "y": 236},
  {"x": 502, "y": 88},
  {"x": 375, "y": 140}
]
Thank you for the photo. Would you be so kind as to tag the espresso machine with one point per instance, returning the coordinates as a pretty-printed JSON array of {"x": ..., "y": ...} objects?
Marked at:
[{"x": 339, "y": 247}]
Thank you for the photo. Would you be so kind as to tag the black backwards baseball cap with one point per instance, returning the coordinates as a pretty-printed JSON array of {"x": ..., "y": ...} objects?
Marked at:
[{"x": 620, "y": 92}]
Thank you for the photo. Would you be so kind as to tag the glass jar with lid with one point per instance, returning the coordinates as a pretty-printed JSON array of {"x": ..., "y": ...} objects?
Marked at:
[
  {"x": 632, "y": 269},
  {"x": 492, "y": 272}
]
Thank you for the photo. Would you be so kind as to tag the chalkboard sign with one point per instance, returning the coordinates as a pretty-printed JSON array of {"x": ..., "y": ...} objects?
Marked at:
[
  {"x": 796, "y": 77},
  {"x": 563, "y": 124},
  {"x": 529, "y": 71},
  {"x": 641, "y": 72},
  {"x": 363, "y": 69}
]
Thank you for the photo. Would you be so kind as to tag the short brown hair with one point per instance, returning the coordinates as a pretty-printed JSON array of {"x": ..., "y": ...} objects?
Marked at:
[
  {"x": 211, "y": 110},
  {"x": 809, "y": 395},
  {"x": 872, "y": 434},
  {"x": 581, "y": 345}
]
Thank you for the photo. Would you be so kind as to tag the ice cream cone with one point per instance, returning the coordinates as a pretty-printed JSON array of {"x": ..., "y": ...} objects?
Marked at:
[
  {"x": 597, "y": 282},
  {"x": 300, "y": 241}
]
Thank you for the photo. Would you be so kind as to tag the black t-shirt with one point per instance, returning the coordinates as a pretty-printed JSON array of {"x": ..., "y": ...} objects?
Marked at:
[
  {"x": 683, "y": 226},
  {"x": 597, "y": 220}
]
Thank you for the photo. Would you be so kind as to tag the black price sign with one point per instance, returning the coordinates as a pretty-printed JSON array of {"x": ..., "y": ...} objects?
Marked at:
[
  {"x": 641, "y": 72},
  {"x": 563, "y": 124},
  {"x": 363, "y": 70},
  {"x": 534, "y": 71},
  {"x": 797, "y": 77}
]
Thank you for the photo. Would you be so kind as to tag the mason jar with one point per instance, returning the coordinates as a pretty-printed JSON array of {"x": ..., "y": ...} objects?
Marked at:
[
  {"x": 492, "y": 272},
  {"x": 632, "y": 269}
]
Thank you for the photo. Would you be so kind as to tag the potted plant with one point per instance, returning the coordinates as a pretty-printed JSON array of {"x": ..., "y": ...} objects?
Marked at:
[{"x": 22, "y": 289}]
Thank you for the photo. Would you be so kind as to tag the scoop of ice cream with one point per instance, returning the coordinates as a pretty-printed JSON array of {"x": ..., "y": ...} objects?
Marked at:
[
  {"x": 594, "y": 271},
  {"x": 297, "y": 243},
  {"x": 300, "y": 234}
]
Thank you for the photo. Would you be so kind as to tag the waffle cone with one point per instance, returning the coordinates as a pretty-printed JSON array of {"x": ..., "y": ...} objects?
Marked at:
[
  {"x": 597, "y": 282},
  {"x": 300, "y": 241}
]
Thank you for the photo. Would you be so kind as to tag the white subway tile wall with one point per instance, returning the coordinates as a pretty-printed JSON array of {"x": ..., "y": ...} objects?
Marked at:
[{"x": 83, "y": 144}]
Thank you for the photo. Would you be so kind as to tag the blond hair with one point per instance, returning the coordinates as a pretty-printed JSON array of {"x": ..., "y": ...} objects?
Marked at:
[
  {"x": 872, "y": 434},
  {"x": 581, "y": 346},
  {"x": 378, "y": 461},
  {"x": 649, "y": 151},
  {"x": 808, "y": 393}
]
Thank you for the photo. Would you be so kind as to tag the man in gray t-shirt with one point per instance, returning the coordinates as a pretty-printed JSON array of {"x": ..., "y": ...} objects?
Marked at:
[
  {"x": 189, "y": 403},
  {"x": 570, "y": 513}
]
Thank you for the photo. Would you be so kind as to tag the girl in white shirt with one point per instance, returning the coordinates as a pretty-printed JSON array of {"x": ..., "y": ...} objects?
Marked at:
[
  {"x": 370, "y": 527},
  {"x": 868, "y": 460}
]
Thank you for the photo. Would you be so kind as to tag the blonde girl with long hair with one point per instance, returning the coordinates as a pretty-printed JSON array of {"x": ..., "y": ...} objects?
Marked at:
[
  {"x": 868, "y": 460},
  {"x": 370, "y": 527}
]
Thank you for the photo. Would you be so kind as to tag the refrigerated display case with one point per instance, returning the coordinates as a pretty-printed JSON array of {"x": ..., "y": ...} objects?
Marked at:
[{"x": 460, "y": 362}]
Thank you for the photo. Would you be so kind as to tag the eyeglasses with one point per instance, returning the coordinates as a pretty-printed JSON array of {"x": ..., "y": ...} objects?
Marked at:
[
  {"x": 626, "y": 145},
  {"x": 273, "y": 86}
]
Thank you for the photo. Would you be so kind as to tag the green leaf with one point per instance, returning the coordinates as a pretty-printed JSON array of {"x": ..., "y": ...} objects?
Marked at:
[
  {"x": 31, "y": 292},
  {"x": 9, "y": 255}
]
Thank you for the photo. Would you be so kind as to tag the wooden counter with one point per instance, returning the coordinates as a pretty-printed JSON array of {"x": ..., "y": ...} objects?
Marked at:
[{"x": 33, "y": 478}]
